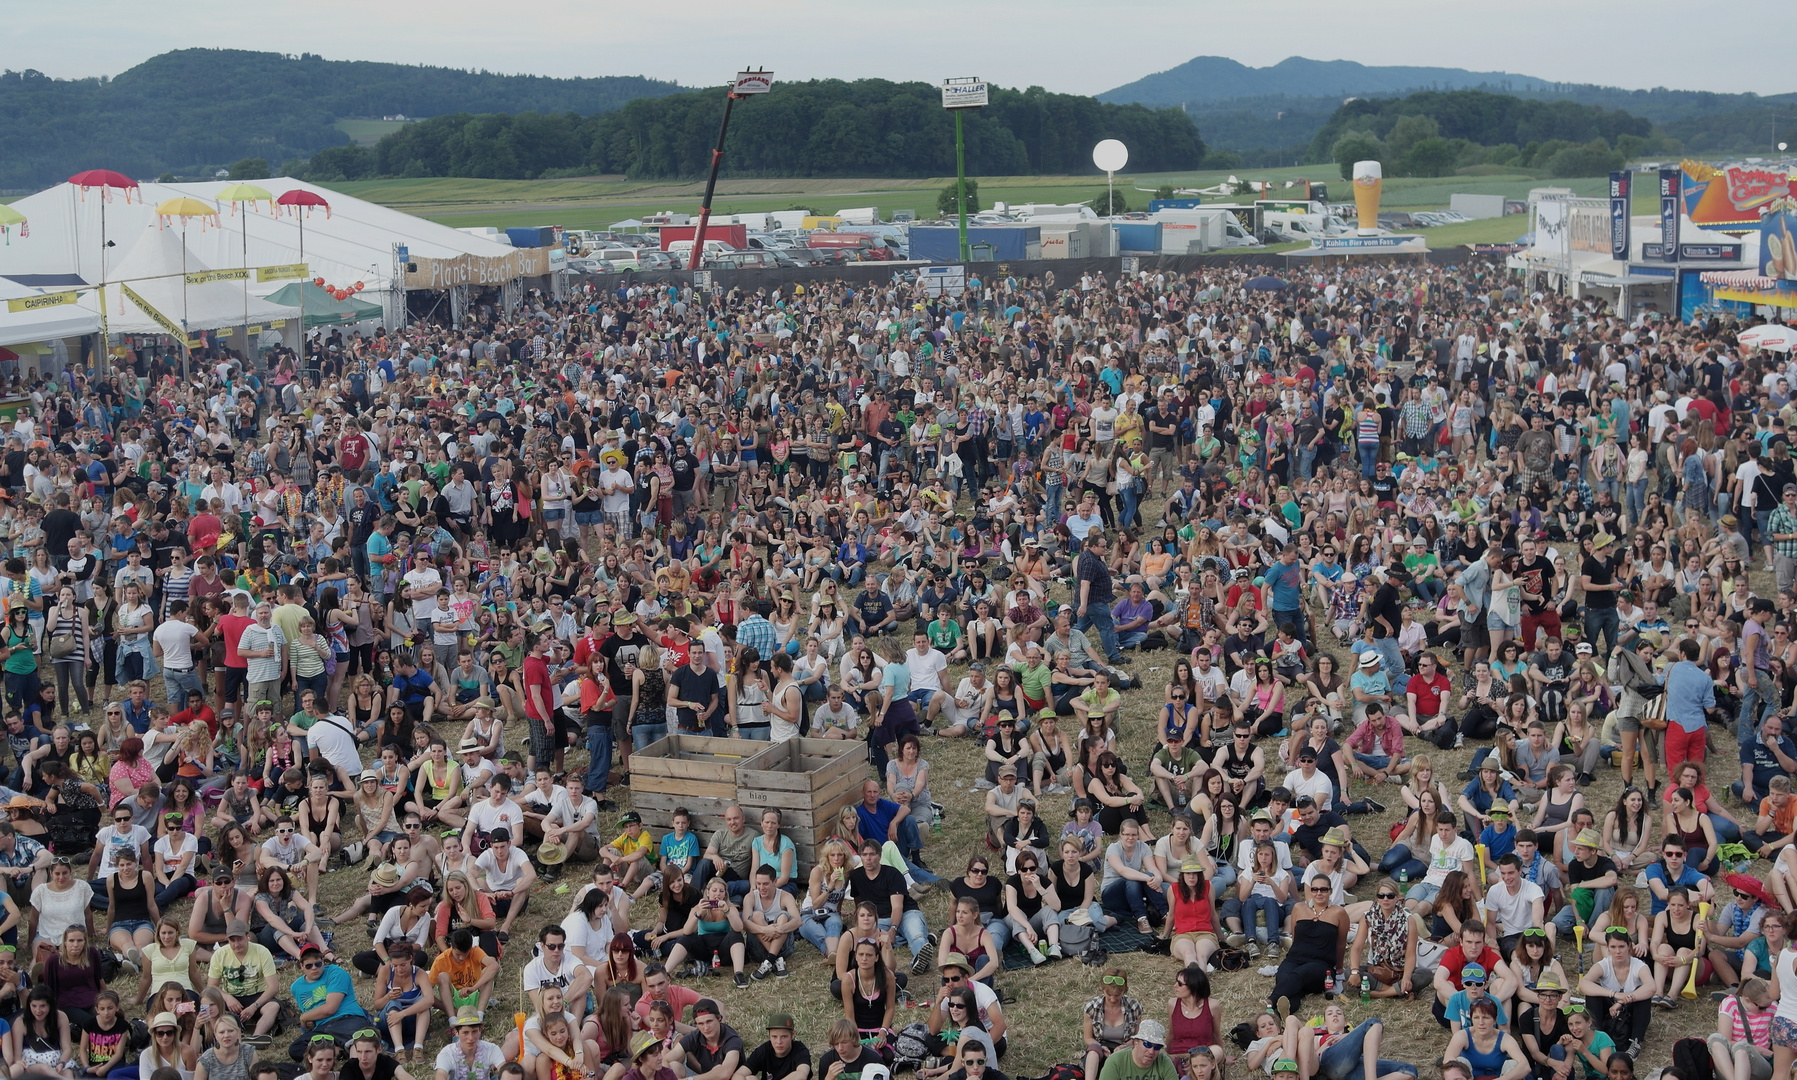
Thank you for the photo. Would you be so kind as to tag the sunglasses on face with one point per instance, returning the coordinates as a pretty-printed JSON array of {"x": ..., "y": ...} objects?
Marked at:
[
  {"x": 1151, "y": 1047},
  {"x": 1388, "y": 896},
  {"x": 1472, "y": 982},
  {"x": 952, "y": 980}
]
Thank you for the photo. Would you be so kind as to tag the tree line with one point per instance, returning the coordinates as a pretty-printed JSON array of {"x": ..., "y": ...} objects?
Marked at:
[
  {"x": 196, "y": 110},
  {"x": 1437, "y": 133},
  {"x": 869, "y": 127}
]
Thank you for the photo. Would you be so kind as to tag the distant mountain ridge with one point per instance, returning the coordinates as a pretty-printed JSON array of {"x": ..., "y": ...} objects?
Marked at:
[
  {"x": 1218, "y": 78},
  {"x": 1272, "y": 113}
]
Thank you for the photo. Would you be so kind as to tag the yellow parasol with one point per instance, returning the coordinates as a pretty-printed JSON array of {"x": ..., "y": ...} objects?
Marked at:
[
  {"x": 246, "y": 193},
  {"x": 186, "y": 209},
  {"x": 10, "y": 217}
]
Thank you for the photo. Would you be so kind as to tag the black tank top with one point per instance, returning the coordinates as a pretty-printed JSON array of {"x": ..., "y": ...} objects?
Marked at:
[{"x": 1236, "y": 767}]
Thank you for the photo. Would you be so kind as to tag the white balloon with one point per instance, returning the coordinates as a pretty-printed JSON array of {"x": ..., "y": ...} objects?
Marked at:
[{"x": 1110, "y": 155}]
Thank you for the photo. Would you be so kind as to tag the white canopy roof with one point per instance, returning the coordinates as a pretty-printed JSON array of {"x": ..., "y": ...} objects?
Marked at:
[
  {"x": 42, "y": 324},
  {"x": 355, "y": 242},
  {"x": 155, "y": 272}
]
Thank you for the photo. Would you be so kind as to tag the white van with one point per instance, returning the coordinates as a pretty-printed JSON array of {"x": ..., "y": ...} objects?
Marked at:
[{"x": 682, "y": 250}]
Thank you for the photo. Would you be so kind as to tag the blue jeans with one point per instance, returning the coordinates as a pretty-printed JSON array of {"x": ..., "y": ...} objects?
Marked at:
[
  {"x": 1000, "y": 930},
  {"x": 1126, "y": 512},
  {"x": 1369, "y": 457},
  {"x": 1263, "y": 909},
  {"x": 1055, "y": 493},
  {"x": 1637, "y": 500},
  {"x": 178, "y": 684},
  {"x": 819, "y": 931},
  {"x": 912, "y": 928},
  {"x": 1380, "y": 762},
  {"x": 1430, "y": 589},
  {"x": 1344, "y": 1059},
  {"x": 642, "y": 735},
  {"x": 910, "y": 842},
  {"x": 1134, "y": 897},
  {"x": 1307, "y": 461},
  {"x": 1601, "y": 620},
  {"x": 758, "y": 734},
  {"x": 1727, "y": 832},
  {"x": 301, "y": 683},
  {"x": 1129, "y": 639},
  {"x": 1762, "y": 524},
  {"x": 1759, "y": 702},
  {"x": 1098, "y": 615},
  {"x": 599, "y": 756},
  {"x": 1394, "y": 662},
  {"x": 1400, "y": 855}
]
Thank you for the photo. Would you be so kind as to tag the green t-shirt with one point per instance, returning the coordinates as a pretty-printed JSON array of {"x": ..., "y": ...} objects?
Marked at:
[
  {"x": 1095, "y": 704},
  {"x": 303, "y": 720},
  {"x": 23, "y": 658},
  {"x": 945, "y": 634},
  {"x": 1412, "y": 562},
  {"x": 1034, "y": 681},
  {"x": 1122, "y": 1066}
]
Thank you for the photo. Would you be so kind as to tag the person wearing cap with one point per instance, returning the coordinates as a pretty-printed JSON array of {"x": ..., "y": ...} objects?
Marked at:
[
  {"x": 244, "y": 971},
  {"x": 216, "y": 907},
  {"x": 712, "y": 1050},
  {"x": 509, "y": 877},
  {"x": 471, "y": 1057},
  {"x": 1143, "y": 1057}
]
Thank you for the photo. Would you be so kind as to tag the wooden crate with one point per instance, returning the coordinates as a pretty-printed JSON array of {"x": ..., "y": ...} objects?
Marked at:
[
  {"x": 693, "y": 766},
  {"x": 808, "y": 780}
]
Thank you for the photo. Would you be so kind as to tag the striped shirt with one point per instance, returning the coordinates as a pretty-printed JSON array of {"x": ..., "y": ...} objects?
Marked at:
[
  {"x": 1368, "y": 427},
  {"x": 1754, "y": 1025}
]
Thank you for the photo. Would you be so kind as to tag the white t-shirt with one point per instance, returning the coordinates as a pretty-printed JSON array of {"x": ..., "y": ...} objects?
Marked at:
[
  {"x": 583, "y": 937},
  {"x": 1244, "y": 859},
  {"x": 536, "y": 973},
  {"x": 331, "y": 738},
  {"x": 1210, "y": 683},
  {"x": 177, "y": 864},
  {"x": 1514, "y": 914},
  {"x": 57, "y": 911},
  {"x": 1104, "y": 424},
  {"x": 926, "y": 669},
  {"x": 1318, "y": 787},
  {"x": 502, "y": 880},
  {"x": 485, "y": 1065},
  {"x": 134, "y": 839},
  {"x": 176, "y": 638},
  {"x": 507, "y": 815},
  {"x": 1444, "y": 860},
  {"x": 562, "y": 811}
]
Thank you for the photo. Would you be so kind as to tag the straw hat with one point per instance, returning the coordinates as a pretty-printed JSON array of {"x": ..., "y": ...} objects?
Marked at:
[
  {"x": 641, "y": 1043},
  {"x": 386, "y": 875},
  {"x": 1588, "y": 838},
  {"x": 551, "y": 853}
]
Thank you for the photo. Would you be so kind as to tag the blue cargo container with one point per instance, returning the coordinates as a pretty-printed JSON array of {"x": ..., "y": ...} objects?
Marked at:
[
  {"x": 942, "y": 243},
  {"x": 1157, "y": 205},
  {"x": 531, "y": 236},
  {"x": 1138, "y": 236}
]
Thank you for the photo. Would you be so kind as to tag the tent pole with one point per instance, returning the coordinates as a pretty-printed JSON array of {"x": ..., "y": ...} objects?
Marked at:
[{"x": 105, "y": 364}]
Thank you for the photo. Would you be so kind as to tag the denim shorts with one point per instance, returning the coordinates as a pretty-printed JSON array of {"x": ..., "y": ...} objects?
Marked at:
[
  {"x": 589, "y": 517},
  {"x": 132, "y": 926}
]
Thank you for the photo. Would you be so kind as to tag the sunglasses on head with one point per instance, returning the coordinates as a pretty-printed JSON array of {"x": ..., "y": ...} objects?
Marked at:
[
  {"x": 1568, "y": 1010},
  {"x": 1534, "y": 931},
  {"x": 1115, "y": 980}
]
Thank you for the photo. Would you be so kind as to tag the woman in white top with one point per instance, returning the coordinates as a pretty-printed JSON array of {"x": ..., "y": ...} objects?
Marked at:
[
  {"x": 812, "y": 669},
  {"x": 1619, "y": 991},
  {"x": 59, "y": 903}
]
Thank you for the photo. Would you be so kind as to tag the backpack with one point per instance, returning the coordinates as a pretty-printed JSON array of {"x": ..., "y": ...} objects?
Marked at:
[{"x": 1691, "y": 1058}]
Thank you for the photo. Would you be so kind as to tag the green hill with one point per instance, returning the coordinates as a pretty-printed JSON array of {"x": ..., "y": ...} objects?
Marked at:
[{"x": 195, "y": 110}]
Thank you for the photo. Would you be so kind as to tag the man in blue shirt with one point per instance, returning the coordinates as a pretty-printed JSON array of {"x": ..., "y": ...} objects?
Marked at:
[
  {"x": 1671, "y": 872},
  {"x": 886, "y": 822},
  {"x": 1689, "y": 691},
  {"x": 872, "y": 614},
  {"x": 1285, "y": 583},
  {"x": 326, "y": 999}
]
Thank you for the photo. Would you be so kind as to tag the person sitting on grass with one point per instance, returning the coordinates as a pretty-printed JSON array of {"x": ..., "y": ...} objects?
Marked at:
[
  {"x": 462, "y": 976},
  {"x": 403, "y": 1001}
]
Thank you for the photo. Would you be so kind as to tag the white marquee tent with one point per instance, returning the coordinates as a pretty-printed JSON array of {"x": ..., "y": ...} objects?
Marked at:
[
  {"x": 154, "y": 272},
  {"x": 356, "y": 241},
  {"x": 33, "y": 324}
]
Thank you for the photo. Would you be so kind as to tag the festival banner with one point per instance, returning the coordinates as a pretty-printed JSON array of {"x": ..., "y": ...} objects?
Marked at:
[
  {"x": 1619, "y": 215},
  {"x": 289, "y": 272},
  {"x": 1671, "y": 206},
  {"x": 1730, "y": 199},
  {"x": 207, "y": 277},
  {"x": 1778, "y": 240},
  {"x": 168, "y": 324},
  {"x": 37, "y": 303}
]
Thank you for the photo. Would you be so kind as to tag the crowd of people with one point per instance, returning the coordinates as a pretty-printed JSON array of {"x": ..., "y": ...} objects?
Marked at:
[{"x": 1223, "y": 583}]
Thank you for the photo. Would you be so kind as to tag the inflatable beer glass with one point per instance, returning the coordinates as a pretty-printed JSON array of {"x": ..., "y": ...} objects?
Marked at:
[{"x": 1368, "y": 179}]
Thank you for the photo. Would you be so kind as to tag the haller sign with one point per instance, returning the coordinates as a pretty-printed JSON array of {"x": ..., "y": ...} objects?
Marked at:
[
  {"x": 753, "y": 82},
  {"x": 963, "y": 94}
]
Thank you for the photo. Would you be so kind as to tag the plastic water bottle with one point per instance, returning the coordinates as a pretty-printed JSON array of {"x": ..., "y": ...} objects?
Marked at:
[
  {"x": 717, "y": 963},
  {"x": 1403, "y": 875},
  {"x": 1329, "y": 984},
  {"x": 1366, "y": 988},
  {"x": 935, "y": 818}
]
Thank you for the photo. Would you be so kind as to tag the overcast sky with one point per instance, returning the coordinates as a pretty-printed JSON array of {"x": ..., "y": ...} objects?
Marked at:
[{"x": 1064, "y": 45}]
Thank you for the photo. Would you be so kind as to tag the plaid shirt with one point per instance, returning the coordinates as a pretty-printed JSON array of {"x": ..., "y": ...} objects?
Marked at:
[
  {"x": 24, "y": 852},
  {"x": 976, "y": 421},
  {"x": 1416, "y": 418},
  {"x": 1783, "y": 521},
  {"x": 757, "y": 633}
]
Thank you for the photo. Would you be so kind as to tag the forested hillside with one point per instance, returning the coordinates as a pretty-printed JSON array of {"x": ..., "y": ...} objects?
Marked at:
[
  {"x": 198, "y": 109},
  {"x": 824, "y": 128}
]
